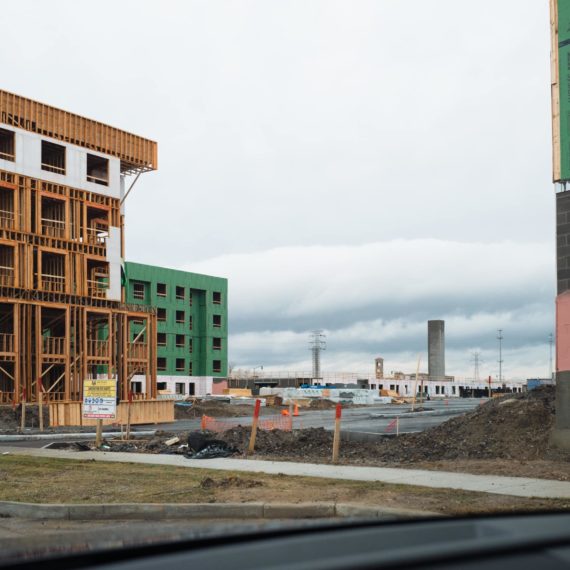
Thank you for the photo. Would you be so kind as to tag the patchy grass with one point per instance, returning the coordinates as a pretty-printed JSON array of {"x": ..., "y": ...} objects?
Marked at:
[{"x": 43, "y": 480}]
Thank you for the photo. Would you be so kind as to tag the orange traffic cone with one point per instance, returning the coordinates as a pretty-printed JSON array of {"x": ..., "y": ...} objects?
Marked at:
[
  {"x": 284, "y": 412},
  {"x": 296, "y": 410}
]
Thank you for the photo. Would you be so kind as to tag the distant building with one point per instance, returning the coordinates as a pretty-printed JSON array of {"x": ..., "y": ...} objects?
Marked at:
[
  {"x": 192, "y": 326},
  {"x": 379, "y": 368}
]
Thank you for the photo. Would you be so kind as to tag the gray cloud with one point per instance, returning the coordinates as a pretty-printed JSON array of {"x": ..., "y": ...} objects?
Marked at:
[{"x": 300, "y": 140}]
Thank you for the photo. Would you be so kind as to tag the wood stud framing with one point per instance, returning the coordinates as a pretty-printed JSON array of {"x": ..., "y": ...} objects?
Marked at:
[
  {"x": 56, "y": 323},
  {"x": 137, "y": 154}
]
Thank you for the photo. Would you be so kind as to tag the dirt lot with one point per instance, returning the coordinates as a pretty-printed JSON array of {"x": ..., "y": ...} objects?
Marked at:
[
  {"x": 505, "y": 436},
  {"x": 24, "y": 479},
  {"x": 219, "y": 409}
]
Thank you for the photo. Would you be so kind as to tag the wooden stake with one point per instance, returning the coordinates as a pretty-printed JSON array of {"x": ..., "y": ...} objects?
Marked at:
[
  {"x": 99, "y": 434},
  {"x": 490, "y": 387},
  {"x": 336, "y": 440},
  {"x": 129, "y": 414},
  {"x": 41, "y": 403},
  {"x": 23, "y": 416},
  {"x": 254, "y": 427},
  {"x": 416, "y": 383},
  {"x": 291, "y": 413}
]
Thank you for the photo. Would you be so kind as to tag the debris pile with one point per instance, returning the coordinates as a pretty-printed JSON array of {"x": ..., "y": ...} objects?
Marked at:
[
  {"x": 230, "y": 482},
  {"x": 511, "y": 427}
]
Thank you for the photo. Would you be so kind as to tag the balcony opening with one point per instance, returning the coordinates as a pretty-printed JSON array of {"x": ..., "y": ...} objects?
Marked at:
[
  {"x": 180, "y": 388},
  {"x": 53, "y": 157},
  {"x": 190, "y": 322},
  {"x": 6, "y": 266},
  {"x": 6, "y": 208},
  {"x": 139, "y": 290},
  {"x": 190, "y": 372},
  {"x": 161, "y": 339},
  {"x": 217, "y": 320},
  {"x": 217, "y": 298},
  {"x": 190, "y": 345},
  {"x": 52, "y": 278},
  {"x": 216, "y": 343},
  {"x": 97, "y": 278},
  {"x": 161, "y": 315},
  {"x": 97, "y": 169},
  {"x": 190, "y": 298},
  {"x": 180, "y": 317},
  {"x": 160, "y": 386},
  {"x": 7, "y": 146},
  {"x": 180, "y": 341},
  {"x": 53, "y": 331},
  {"x": 180, "y": 293},
  {"x": 53, "y": 217},
  {"x": 137, "y": 349},
  {"x": 6, "y": 328},
  {"x": 161, "y": 289},
  {"x": 180, "y": 365},
  {"x": 97, "y": 225},
  {"x": 98, "y": 345},
  {"x": 217, "y": 365},
  {"x": 161, "y": 364}
]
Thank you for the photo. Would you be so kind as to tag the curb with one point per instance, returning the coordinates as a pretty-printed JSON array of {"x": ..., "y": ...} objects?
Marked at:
[
  {"x": 153, "y": 511},
  {"x": 50, "y": 436}
]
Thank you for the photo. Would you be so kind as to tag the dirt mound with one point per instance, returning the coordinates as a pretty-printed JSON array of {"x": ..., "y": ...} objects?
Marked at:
[
  {"x": 322, "y": 404},
  {"x": 10, "y": 417},
  {"x": 512, "y": 427},
  {"x": 308, "y": 443},
  {"x": 212, "y": 408}
]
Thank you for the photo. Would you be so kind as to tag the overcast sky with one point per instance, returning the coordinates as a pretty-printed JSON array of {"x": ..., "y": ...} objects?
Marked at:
[{"x": 355, "y": 166}]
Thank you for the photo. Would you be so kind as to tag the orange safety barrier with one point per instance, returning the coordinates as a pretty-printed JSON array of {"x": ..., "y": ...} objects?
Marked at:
[{"x": 268, "y": 424}]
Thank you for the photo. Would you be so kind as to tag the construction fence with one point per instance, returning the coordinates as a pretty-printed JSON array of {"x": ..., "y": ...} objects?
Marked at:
[{"x": 283, "y": 423}]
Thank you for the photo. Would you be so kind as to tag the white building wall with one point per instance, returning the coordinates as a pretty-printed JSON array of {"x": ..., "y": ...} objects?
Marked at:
[
  {"x": 202, "y": 384},
  {"x": 28, "y": 147},
  {"x": 29, "y": 163},
  {"x": 114, "y": 260}
]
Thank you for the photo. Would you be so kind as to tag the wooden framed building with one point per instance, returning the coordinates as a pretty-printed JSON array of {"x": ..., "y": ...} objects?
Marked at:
[{"x": 63, "y": 318}]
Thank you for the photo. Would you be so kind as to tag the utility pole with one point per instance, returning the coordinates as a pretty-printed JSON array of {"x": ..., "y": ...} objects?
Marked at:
[
  {"x": 500, "y": 339},
  {"x": 316, "y": 344},
  {"x": 550, "y": 343}
]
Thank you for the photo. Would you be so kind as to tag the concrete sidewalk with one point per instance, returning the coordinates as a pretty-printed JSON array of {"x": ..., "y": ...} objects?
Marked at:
[{"x": 514, "y": 486}]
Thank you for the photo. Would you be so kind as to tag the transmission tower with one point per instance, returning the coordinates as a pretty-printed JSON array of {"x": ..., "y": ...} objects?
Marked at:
[
  {"x": 500, "y": 361},
  {"x": 476, "y": 359},
  {"x": 316, "y": 344}
]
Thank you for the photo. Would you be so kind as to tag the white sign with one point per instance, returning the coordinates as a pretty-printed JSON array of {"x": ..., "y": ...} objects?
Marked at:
[{"x": 100, "y": 399}]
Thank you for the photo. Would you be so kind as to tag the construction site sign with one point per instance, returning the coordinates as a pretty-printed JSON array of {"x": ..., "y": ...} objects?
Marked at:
[
  {"x": 560, "y": 71},
  {"x": 100, "y": 399}
]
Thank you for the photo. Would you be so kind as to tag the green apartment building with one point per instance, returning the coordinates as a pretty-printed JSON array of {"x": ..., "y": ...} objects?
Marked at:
[{"x": 192, "y": 325}]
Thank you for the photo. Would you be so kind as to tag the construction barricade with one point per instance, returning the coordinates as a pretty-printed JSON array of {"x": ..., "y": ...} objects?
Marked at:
[{"x": 283, "y": 423}]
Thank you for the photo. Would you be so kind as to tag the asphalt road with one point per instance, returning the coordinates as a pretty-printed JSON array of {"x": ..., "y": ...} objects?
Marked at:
[
  {"x": 362, "y": 419},
  {"x": 370, "y": 419}
]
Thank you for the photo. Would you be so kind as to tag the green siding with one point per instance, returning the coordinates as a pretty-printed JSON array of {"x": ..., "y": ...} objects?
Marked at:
[{"x": 202, "y": 309}]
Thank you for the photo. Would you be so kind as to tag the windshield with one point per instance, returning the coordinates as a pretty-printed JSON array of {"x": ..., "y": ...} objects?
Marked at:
[{"x": 331, "y": 300}]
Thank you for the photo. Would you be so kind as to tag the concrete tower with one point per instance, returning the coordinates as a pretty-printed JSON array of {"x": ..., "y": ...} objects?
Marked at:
[
  {"x": 436, "y": 350},
  {"x": 379, "y": 368}
]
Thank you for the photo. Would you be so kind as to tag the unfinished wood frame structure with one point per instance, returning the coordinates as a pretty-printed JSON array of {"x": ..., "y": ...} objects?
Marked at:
[
  {"x": 136, "y": 153},
  {"x": 61, "y": 318}
]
